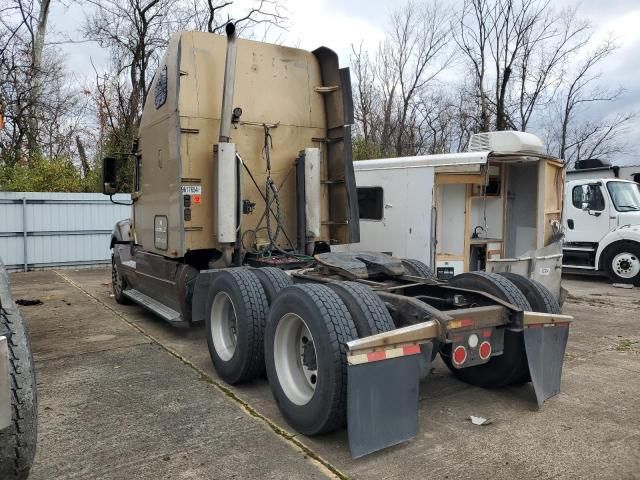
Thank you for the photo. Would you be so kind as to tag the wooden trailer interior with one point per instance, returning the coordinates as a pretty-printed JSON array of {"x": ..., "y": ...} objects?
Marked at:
[{"x": 503, "y": 210}]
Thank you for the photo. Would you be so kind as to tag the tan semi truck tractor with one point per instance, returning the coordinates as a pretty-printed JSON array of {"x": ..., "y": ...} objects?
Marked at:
[{"x": 243, "y": 184}]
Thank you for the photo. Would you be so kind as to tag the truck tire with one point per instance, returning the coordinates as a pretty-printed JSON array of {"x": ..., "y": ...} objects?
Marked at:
[
  {"x": 306, "y": 357},
  {"x": 118, "y": 283},
  {"x": 18, "y": 440},
  {"x": 417, "y": 268},
  {"x": 622, "y": 262},
  {"x": 511, "y": 366},
  {"x": 234, "y": 325},
  {"x": 539, "y": 296},
  {"x": 369, "y": 314},
  {"x": 273, "y": 280}
]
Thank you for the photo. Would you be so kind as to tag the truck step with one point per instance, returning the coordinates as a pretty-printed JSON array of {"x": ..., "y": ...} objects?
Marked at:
[
  {"x": 164, "y": 312},
  {"x": 579, "y": 267},
  {"x": 578, "y": 249}
]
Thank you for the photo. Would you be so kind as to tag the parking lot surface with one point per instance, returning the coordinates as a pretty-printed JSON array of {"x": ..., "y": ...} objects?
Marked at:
[{"x": 123, "y": 395}]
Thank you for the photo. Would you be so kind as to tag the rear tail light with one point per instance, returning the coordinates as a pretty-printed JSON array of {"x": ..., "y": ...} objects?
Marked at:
[
  {"x": 459, "y": 355},
  {"x": 485, "y": 350}
]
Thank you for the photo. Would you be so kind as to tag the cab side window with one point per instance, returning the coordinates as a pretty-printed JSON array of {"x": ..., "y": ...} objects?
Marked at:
[
  {"x": 591, "y": 194},
  {"x": 577, "y": 196}
]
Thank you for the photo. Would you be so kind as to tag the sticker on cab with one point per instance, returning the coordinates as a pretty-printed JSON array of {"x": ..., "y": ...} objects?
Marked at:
[{"x": 191, "y": 189}]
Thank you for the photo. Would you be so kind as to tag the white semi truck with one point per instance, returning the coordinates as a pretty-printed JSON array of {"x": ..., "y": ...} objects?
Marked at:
[{"x": 602, "y": 228}]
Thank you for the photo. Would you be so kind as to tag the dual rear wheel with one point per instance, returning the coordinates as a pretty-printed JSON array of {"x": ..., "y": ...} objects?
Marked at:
[
  {"x": 511, "y": 366},
  {"x": 258, "y": 319}
]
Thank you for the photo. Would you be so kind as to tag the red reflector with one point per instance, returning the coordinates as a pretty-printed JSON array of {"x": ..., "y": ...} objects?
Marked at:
[
  {"x": 484, "y": 350},
  {"x": 486, "y": 332},
  {"x": 375, "y": 356},
  {"x": 411, "y": 350},
  {"x": 466, "y": 322},
  {"x": 459, "y": 355}
]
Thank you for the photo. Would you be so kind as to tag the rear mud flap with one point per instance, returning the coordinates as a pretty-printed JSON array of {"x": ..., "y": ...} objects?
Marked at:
[
  {"x": 545, "y": 346},
  {"x": 383, "y": 402}
]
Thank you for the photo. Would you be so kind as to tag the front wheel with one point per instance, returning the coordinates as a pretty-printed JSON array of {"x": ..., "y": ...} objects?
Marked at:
[
  {"x": 306, "y": 358},
  {"x": 118, "y": 282},
  {"x": 622, "y": 262}
]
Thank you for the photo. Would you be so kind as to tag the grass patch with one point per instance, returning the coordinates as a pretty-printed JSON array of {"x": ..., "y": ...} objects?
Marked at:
[{"x": 625, "y": 345}]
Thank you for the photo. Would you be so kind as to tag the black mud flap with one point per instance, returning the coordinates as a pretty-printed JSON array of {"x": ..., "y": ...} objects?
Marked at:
[
  {"x": 383, "y": 402},
  {"x": 545, "y": 346}
]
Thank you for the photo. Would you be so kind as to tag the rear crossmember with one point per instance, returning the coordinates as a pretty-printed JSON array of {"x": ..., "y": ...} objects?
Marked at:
[{"x": 384, "y": 368}]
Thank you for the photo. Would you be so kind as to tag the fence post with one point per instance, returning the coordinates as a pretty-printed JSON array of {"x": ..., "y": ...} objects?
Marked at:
[{"x": 24, "y": 234}]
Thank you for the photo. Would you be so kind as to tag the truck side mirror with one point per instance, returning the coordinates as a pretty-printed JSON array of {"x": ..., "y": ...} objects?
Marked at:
[{"x": 109, "y": 176}]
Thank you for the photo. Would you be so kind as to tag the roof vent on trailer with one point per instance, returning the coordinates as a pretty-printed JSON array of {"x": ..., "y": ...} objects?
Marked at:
[{"x": 505, "y": 142}]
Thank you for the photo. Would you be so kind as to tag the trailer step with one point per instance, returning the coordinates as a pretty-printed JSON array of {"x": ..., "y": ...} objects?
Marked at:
[
  {"x": 166, "y": 313},
  {"x": 579, "y": 249},
  {"x": 580, "y": 267}
]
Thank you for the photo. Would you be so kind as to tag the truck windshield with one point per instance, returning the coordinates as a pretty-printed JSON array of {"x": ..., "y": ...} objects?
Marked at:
[{"x": 625, "y": 196}]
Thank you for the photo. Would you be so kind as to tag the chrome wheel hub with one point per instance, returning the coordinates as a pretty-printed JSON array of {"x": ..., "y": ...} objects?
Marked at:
[
  {"x": 295, "y": 359},
  {"x": 626, "y": 265},
  {"x": 224, "y": 326}
]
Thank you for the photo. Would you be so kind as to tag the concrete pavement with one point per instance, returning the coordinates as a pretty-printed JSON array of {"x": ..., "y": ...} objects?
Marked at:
[{"x": 124, "y": 395}]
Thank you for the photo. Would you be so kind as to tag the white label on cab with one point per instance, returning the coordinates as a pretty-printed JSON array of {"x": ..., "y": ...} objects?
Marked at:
[
  {"x": 545, "y": 270},
  {"x": 191, "y": 189}
]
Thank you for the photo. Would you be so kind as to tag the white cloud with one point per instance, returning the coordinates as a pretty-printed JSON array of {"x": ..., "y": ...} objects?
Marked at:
[{"x": 315, "y": 24}]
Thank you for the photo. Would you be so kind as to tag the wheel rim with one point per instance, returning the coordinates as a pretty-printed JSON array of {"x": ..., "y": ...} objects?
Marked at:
[
  {"x": 224, "y": 326},
  {"x": 295, "y": 359},
  {"x": 626, "y": 265},
  {"x": 116, "y": 278}
]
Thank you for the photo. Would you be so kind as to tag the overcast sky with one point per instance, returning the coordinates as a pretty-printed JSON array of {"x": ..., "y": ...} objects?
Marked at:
[{"x": 338, "y": 24}]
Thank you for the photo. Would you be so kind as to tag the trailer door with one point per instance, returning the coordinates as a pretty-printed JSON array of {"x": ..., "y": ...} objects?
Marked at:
[
  {"x": 381, "y": 201},
  {"x": 419, "y": 209},
  {"x": 395, "y": 211}
]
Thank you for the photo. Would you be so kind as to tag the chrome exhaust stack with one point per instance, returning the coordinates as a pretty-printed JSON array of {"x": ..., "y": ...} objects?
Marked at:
[
  {"x": 224, "y": 153},
  {"x": 229, "y": 84}
]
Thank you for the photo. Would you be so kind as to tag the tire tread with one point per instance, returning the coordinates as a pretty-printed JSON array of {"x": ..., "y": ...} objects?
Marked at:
[
  {"x": 375, "y": 315},
  {"x": 418, "y": 268},
  {"x": 276, "y": 278},
  {"x": 341, "y": 330},
  {"x": 18, "y": 441}
]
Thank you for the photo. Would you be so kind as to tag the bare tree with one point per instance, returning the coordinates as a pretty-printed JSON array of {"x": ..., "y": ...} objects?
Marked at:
[
  {"x": 549, "y": 47},
  {"x": 473, "y": 36},
  {"x": 419, "y": 35},
  {"x": 35, "y": 91},
  {"x": 37, "y": 41},
  {"x": 136, "y": 32},
  {"x": 515, "y": 49},
  {"x": 212, "y": 15},
  {"x": 581, "y": 89},
  {"x": 389, "y": 87}
]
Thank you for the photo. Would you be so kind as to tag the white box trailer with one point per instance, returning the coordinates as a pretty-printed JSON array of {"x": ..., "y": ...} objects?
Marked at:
[{"x": 495, "y": 207}]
